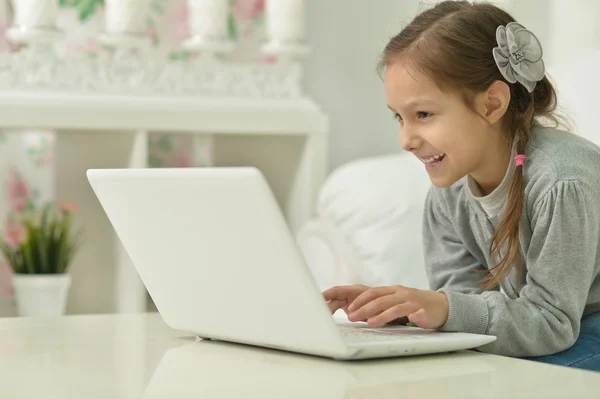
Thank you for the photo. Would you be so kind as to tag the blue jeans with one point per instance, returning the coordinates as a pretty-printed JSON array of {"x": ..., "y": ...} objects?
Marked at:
[{"x": 585, "y": 352}]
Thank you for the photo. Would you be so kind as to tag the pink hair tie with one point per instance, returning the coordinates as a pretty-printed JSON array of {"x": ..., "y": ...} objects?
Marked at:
[{"x": 520, "y": 160}]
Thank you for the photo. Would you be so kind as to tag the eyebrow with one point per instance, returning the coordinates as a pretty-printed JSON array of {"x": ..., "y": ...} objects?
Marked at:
[{"x": 416, "y": 103}]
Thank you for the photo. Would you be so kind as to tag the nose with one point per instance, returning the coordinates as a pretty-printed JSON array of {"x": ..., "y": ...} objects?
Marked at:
[{"x": 409, "y": 140}]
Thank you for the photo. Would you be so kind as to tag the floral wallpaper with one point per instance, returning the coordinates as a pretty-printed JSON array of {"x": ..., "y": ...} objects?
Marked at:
[
  {"x": 26, "y": 169},
  {"x": 167, "y": 24},
  {"x": 26, "y": 178},
  {"x": 179, "y": 150},
  {"x": 26, "y": 158}
]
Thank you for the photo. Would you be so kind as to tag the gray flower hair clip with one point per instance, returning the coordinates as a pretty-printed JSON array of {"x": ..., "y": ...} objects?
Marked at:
[{"x": 519, "y": 55}]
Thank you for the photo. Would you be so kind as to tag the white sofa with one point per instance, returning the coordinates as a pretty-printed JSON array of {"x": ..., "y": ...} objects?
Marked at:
[{"x": 368, "y": 224}]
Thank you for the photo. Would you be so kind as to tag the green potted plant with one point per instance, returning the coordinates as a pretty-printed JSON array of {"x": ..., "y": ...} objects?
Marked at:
[{"x": 39, "y": 246}]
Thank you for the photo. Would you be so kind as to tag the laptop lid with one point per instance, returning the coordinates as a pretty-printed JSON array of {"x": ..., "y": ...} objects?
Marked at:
[{"x": 216, "y": 255}]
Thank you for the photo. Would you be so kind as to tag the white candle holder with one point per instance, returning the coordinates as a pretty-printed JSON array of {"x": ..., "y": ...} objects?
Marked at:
[
  {"x": 125, "y": 24},
  {"x": 208, "y": 25},
  {"x": 34, "y": 22},
  {"x": 285, "y": 25},
  {"x": 129, "y": 65}
]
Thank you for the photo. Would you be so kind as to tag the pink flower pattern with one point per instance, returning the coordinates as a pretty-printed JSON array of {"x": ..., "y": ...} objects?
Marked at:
[
  {"x": 178, "y": 24},
  {"x": 42, "y": 154},
  {"x": 248, "y": 9},
  {"x": 19, "y": 194},
  {"x": 15, "y": 234}
]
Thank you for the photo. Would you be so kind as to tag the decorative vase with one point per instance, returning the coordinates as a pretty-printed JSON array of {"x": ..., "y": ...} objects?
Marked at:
[
  {"x": 126, "y": 16},
  {"x": 34, "y": 22},
  {"x": 208, "y": 21},
  {"x": 125, "y": 24},
  {"x": 285, "y": 28},
  {"x": 35, "y": 13},
  {"x": 41, "y": 295}
]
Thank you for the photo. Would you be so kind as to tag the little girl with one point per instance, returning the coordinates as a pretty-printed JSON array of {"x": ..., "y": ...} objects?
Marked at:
[{"x": 512, "y": 222}]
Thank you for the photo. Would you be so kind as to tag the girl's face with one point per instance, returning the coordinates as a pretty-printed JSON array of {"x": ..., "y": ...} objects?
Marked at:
[{"x": 438, "y": 127}]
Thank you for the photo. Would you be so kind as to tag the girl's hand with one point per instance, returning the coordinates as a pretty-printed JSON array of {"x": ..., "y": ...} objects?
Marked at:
[
  {"x": 341, "y": 297},
  {"x": 378, "y": 306}
]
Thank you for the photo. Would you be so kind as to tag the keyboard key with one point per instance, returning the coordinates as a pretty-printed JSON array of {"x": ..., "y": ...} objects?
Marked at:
[{"x": 360, "y": 333}]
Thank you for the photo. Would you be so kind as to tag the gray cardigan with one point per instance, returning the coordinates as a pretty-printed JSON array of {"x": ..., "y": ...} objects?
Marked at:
[{"x": 559, "y": 243}]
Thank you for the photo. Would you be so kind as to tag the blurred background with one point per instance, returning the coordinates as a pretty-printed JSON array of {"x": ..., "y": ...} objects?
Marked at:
[{"x": 286, "y": 85}]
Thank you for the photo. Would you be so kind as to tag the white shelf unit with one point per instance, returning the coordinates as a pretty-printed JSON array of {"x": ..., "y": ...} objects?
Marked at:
[{"x": 286, "y": 139}]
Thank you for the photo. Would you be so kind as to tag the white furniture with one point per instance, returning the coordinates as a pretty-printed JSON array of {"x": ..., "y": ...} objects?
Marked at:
[
  {"x": 286, "y": 139},
  {"x": 138, "y": 356},
  {"x": 252, "y": 114}
]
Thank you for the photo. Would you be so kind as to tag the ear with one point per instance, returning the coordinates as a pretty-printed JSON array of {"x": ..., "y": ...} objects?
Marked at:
[{"x": 494, "y": 102}]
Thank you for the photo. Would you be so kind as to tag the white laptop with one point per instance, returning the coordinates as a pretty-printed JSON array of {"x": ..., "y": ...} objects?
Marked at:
[{"x": 218, "y": 259}]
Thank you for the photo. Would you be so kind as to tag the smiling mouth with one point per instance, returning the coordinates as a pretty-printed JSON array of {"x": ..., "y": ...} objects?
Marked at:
[{"x": 433, "y": 159}]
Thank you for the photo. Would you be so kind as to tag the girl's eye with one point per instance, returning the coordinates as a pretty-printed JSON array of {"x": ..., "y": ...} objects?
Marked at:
[
  {"x": 423, "y": 115},
  {"x": 397, "y": 117}
]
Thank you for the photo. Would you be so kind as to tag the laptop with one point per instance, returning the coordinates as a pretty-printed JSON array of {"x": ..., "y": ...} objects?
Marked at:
[{"x": 218, "y": 259}]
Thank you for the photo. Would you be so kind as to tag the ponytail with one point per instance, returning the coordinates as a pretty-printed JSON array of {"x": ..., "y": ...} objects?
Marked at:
[{"x": 523, "y": 110}]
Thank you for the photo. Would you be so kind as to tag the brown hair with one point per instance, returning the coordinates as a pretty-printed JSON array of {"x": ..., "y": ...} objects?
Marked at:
[{"x": 452, "y": 43}]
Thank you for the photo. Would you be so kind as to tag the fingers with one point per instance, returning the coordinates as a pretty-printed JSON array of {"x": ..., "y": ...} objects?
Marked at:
[
  {"x": 395, "y": 312},
  {"x": 343, "y": 292},
  {"x": 336, "y": 304},
  {"x": 368, "y": 296},
  {"x": 392, "y": 304},
  {"x": 420, "y": 318},
  {"x": 373, "y": 308}
]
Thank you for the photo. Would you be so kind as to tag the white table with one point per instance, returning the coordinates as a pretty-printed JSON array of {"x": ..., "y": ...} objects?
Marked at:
[{"x": 138, "y": 356}]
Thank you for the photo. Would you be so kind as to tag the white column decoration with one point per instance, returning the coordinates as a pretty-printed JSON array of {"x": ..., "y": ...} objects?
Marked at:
[
  {"x": 34, "y": 21},
  {"x": 208, "y": 25},
  {"x": 125, "y": 23},
  {"x": 129, "y": 64},
  {"x": 285, "y": 25}
]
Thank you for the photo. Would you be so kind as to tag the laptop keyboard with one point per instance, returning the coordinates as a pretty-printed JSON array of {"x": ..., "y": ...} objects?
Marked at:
[{"x": 360, "y": 334}]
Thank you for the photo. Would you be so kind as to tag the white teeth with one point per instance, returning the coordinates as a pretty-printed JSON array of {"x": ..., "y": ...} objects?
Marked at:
[{"x": 433, "y": 158}]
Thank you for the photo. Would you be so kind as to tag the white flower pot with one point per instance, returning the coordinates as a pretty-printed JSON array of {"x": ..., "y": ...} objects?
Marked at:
[{"x": 41, "y": 294}]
